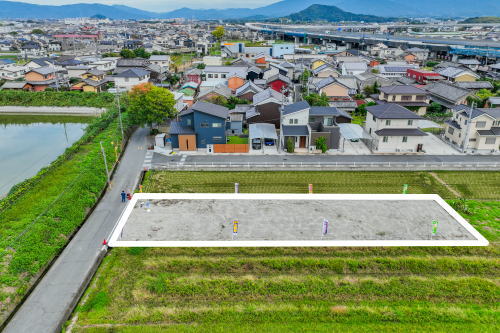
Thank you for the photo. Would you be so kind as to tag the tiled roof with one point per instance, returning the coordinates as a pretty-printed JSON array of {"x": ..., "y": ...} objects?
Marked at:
[
  {"x": 208, "y": 108},
  {"x": 400, "y": 132},
  {"x": 391, "y": 111},
  {"x": 298, "y": 106}
]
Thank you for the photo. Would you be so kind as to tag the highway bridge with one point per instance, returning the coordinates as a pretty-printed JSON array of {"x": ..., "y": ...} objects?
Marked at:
[{"x": 363, "y": 40}]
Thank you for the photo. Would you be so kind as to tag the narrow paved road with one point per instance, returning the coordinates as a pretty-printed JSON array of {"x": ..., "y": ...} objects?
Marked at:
[{"x": 50, "y": 304}]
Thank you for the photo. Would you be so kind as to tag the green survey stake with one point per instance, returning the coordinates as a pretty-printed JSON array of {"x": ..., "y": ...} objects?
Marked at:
[
  {"x": 405, "y": 188},
  {"x": 434, "y": 227}
]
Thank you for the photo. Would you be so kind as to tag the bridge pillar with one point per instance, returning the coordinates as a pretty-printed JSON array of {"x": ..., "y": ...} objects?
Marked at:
[
  {"x": 297, "y": 40},
  {"x": 323, "y": 41},
  {"x": 454, "y": 58},
  {"x": 309, "y": 40}
]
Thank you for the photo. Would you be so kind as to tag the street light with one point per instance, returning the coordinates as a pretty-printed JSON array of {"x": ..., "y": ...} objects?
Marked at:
[{"x": 120, "y": 112}]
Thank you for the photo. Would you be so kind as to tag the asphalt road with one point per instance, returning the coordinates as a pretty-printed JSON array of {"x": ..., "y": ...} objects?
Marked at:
[
  {"x": 52, "y": 301},
  {"x": 159, "y": 160}
]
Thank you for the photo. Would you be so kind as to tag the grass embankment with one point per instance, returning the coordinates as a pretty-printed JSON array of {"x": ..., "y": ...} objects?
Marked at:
[
  {"x": 304, "y": 289},
  {"x": 39, "y": 214},
  {"x": 55, "y": 98}
]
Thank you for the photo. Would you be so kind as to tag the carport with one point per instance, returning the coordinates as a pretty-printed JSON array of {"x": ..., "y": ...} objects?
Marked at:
[
  {"x": 262, "y": 136},
  {"x": 353, "y": 133}
]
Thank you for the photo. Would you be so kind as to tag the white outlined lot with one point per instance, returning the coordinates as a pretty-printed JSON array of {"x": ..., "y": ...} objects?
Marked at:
[{"x": 207, "y": 220}]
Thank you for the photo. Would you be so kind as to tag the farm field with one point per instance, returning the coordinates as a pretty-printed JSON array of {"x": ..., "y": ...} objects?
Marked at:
[{"x": 304, "y": 289}]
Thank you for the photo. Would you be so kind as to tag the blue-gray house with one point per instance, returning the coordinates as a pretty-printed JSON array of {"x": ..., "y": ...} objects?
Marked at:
[{"x": 201, "y": 124}]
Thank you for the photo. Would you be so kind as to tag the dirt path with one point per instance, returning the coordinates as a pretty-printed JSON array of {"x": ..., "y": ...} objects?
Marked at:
[{"x": 451, "y": 189}]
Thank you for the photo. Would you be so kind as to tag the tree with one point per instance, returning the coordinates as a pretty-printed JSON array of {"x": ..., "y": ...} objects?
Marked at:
[
  {"x": 149, "y": 104},
  {"x": 141, "y": 53},
  {"x": 37, "y": 32},
  {"x": 361, "y": 110},
  {"x": 126, "y": 53},
  {"x": 218, "y": 32},
  {"x": 317, "y": 100},
  {"x": 201, "y": 66},
  {"x": 321, "y": 144}
]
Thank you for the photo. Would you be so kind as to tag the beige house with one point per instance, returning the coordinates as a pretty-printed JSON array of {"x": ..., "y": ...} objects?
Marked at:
[
  {"x": 456, "y": 74},
  {"x": 332, "y": 88},
  {"x": 393, "y": 129},
  {"x": 408, "y": 96},
  {"x": 478, "y": 131}
]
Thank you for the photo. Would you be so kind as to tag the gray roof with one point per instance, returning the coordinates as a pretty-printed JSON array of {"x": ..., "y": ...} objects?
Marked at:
[
  {"x": 474, "y": 85},
  {"x": 177, "y": 128},
  {"x": 262, "y": 131},
  {"x": 464, "y": 110},
  {"x": 400, "y": 132},
  {"x": 402, "y": 89},
  {"x": 134, "y": 62},
  {"x": 295, "y": 130},
  {"x": 248, "y": 86},
  {"x": 453, "y": 123},
  {"x": 391, "y": 111},
  {"x": 298, "y": 106},
  {"x": 494, "y": 112},
  {"x": 453, "y": 72},
  {"x": 447, "y": 91},
  {"x": 394, "y": 69},
  {"x": 266, "y": 94},
  {"x": 44, "y": 70},
  {"x": 468, "y": 61},
  {"x": 327, "y": 111},
  {"x": 133, "y": 72},
  {"x": 208, "y": 108},
  {"x": 224, "y": 69},
  {"x": 13, "y": 85}
]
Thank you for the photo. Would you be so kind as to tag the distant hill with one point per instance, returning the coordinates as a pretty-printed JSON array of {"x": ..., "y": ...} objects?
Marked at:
[
  {"x": 331, "y": 14},
  {"x": 385, "y": 8},
  {"x": 483, "y": 19}
]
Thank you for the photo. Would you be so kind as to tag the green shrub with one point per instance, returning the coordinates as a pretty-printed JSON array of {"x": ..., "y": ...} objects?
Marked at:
[
  {"x": 290, "y": 145},
  {"x": 321, "y": 144}
]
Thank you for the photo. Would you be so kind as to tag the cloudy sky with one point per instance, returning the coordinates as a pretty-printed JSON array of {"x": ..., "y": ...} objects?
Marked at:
[{"x": 163, "y": 5}]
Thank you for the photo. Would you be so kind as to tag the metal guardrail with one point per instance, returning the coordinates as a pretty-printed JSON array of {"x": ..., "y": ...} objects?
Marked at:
[{"x": 333, "y": 165}]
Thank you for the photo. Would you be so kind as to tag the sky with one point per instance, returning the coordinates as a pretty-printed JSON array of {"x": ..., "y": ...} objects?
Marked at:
[{"x": 162, "y": 5}]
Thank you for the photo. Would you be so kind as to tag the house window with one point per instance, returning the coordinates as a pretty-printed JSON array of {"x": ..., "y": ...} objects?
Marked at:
[
  {"x": 385, "y": 139},
  {"x": 490, "y": 141},
  {"x": 388, "y": 123},
  {"x": 290, "y": 121},
  {"x": 451, "y": 130},
  {"x": 218, "y": 125},
  {"x": 204, "y": 124},
  {"x": 216, "y": 76},
  {"x": 410, "y": 122},
  {"x": 210, "y": 76},
  {"x": 393, "y": 97},
  {"x": 405, "y": 139},
  {"x": 373, "y": 118},
  {"x": 223, "y": 76},
  {"x": 406, "y": 98},
  {"x": 295, "y": 121},
  {"x": 370, "y": 131},
  {"x": 480, "y": 124},
  {"x": 217, "y": 138},
  {"x": 472, "y": 140},
  {"x": 329, "y": 122},
  {"x": 188, "y": 121},
  {"x": 496, "y": 123}
]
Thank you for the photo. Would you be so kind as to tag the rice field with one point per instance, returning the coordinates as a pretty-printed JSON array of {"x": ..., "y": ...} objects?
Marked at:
[{"x": 302, "y": 289}]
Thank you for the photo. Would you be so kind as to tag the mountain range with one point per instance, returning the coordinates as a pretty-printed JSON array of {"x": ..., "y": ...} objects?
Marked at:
[{"x": 385, "y": 8}]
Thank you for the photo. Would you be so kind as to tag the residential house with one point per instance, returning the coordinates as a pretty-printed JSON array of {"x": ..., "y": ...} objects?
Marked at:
[
  {"x": 92, "y": 81},
  {"x": 476, "y": 130},
  {"x": 394, "y": 129},
  {"x": 416, "y": 55},
  {"x": 422, "y": 76},
  {"x": 236, "y": 80},
  {"x": 39, "y": 79},
  {"x": 472, "y": 64},
  {"x": 353, "y": 68},
  {"x": 11, "y": 72},
  {"x": 395, "y": 70},
  {"x": 254, "y": 73},
  {"x": 279, "y": 83},
  {"x": 295, "y": 125},
  {"x": 474, "y": 85},
  {"x": 218, "y": 73},
  {"x": 411, "y": 97},
  {"x": 456, "y": 74},
  {"x": 201, "y": 125},
  {"x": 208, "y": 93},
  {"x": 131, "y": 77},
  {"x": 446, "y": 94},
  {"x": 332, "y": 88},
  {"x": 325, "y": 70},
  {"x": 161, "y": 60},
  {"x": 13, "y": 85},
  {"x": 194, "y": 75},
  {"x": 248, "y": 91}
]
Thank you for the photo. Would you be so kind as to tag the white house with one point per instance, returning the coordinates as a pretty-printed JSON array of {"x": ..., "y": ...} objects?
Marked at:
[
  {"x": 295, "y": 125},
  {"x": 161, "y": 60},
  {"x": 353, "y": 68},
  {"x": 129, "y": 78},
  {"x": 394, "y": 129},
  {"x": 12, "y": 72}
]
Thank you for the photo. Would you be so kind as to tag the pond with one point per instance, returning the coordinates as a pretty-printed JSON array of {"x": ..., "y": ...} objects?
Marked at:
[{"x": 29, "y": 143}]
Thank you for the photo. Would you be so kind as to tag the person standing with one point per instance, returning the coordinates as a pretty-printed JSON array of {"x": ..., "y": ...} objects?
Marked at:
[{"x": 124, "y": 196}]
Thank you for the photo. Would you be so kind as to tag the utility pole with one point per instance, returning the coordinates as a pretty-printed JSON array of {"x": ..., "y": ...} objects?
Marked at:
[
  {"x": 282, "y": 144},
  {"x": 105, "y": 162},
  {"x": 469, "y": 120}
]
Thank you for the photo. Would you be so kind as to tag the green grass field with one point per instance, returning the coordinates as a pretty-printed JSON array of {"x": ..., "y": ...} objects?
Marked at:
[{"x": 304, "y": 289}]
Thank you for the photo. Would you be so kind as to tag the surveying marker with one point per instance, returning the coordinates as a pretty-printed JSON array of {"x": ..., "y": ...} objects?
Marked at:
[
  {"x": 310, "y": 188},
  {"x": 235, "y": 229},
  {"x": 325, "y": 227},
  {"x": 148, "y": 206},
  {"x": 405, "y": 188},
  {"x": 435, "y": 224}
]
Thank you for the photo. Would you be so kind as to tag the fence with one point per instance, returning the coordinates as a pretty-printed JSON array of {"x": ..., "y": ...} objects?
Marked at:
[
  {"x": 333, "y": 165},
  {"x": 231, "y": 148}
]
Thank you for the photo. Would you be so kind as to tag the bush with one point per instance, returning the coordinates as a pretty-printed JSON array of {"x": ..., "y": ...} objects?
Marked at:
[
  {"x": 321, "y": 144},
  {"x": 56, "y": 98},
  {"x": 290, "y": 145}
]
